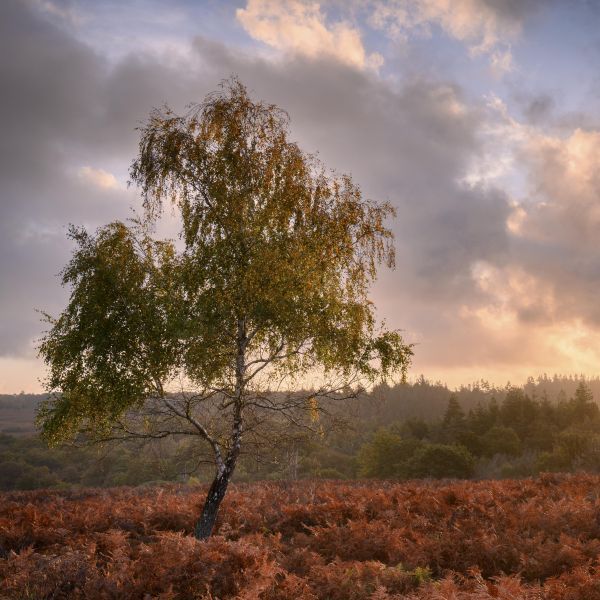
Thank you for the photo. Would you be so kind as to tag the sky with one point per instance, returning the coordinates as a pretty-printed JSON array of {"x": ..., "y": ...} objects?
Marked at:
[{"x": 479, "y": 120}]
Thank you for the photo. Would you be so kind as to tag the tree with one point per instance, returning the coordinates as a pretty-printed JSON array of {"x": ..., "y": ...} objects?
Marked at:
[
  {"x": 453, "y": 423},
  {"x": 385, "y": 455},
  {"x": 441, "y": 460},
  {"x": 454, "y": 415},
  {"x": 583, "y": 403},
  {"x": 268, "y": 291},
  {"x": 501, "y": 440}
]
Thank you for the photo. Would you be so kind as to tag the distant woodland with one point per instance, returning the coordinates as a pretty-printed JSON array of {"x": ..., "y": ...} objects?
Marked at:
[{"x": 409, "y": 431}]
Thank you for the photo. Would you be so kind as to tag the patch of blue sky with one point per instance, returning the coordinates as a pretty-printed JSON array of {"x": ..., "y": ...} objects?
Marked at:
[
  {"x": 115, "y": 29},
  {"x": 559, "y": 54}
]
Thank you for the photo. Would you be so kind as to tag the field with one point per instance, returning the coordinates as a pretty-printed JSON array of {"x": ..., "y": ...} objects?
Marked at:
[{"x": 537, "y": 538}]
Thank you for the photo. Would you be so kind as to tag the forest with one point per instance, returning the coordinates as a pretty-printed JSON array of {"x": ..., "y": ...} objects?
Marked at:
[{"x": 408, "y": 431}]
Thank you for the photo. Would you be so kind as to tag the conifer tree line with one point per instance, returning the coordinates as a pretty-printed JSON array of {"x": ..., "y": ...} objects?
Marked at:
[
  {"x": 413, "y": 430},
  {"x": 522, "y": 434}
]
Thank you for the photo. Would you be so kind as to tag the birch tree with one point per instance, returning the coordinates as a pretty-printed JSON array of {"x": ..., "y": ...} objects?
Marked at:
[{"x": 266, "y": 294}]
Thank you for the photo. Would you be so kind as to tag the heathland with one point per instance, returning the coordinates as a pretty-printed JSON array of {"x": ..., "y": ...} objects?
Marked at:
[
  {"x": 534, "y": 539},
  {"x": 426, "y": 493}
]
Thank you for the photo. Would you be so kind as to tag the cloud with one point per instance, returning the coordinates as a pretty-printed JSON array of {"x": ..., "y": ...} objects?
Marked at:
[
  {"x": 558, "y": 238},
  {"x": 61, "y": 11},
  {"x": 98, "y": 177},
  {"x": 540, "y": 295},
  {"x": 486, "y": 279},
  {"x": 299, "y": 27},
  {"x": 485, "y": 26},
  {"x": 410, "y": 145},
  {"x": 52, "y": 92},
  {"x": 501, "y": 61},
  {"x": 538, "y": 107}
]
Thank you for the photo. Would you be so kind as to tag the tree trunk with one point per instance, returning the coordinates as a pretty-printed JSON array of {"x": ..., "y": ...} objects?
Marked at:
[{"x": 216, "y": 493}]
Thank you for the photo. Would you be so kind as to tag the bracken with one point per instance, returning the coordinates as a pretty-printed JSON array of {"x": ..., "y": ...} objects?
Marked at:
[{"x": 532, "y": 539}]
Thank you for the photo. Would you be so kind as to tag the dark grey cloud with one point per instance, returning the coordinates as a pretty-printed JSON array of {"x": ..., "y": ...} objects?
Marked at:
[
  {"x": 516, "y": 10},
  {"x": 409, "y": 145},
  {"x": 50, "y": 87},
  {"x": 545, "y": 110},
  {"x": 66, "y": 107},
  {"x": 539, "y": 108}
]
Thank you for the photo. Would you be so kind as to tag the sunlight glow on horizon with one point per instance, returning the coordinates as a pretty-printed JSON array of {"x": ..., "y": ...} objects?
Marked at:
[{"x": 445, "y": 108}]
